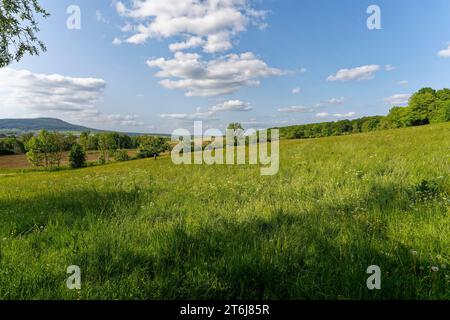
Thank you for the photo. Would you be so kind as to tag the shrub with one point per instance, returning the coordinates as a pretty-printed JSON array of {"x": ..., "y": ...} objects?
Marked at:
[
  {"x": 77, "y": 157},
  {"x": 121, "y": 155}
]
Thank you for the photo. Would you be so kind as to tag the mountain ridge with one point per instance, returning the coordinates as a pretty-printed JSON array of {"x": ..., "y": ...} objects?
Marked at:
[{"x": 23, "y": 125}]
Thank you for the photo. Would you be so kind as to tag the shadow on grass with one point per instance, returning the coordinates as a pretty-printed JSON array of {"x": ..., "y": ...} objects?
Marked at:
[
  {"x": 322, "y": 253},
  {"x": 21, "y": 217},
  {"x": 319, "y": 253}
]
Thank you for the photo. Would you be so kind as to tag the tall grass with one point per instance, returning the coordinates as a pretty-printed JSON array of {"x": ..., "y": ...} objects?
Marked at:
[{"x": 148, "y": 229}]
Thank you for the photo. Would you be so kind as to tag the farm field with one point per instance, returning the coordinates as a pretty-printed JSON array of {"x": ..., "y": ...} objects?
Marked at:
[
  {"x": 148, "y": 229},
  {"x": 20, "y": 161}
]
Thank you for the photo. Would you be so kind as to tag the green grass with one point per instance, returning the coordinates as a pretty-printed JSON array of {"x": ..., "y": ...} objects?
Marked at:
[{"x": 148, "y": 229}]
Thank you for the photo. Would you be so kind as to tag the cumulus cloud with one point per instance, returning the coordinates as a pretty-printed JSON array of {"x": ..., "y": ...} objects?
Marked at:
[
  {"x": 360, "y": 73},
  {"x": 192, "y": 42},
  {"x": 445, "y": 53},
  {"x": 211, "y": 113},
  {"x": 295, "y": 109},
  {"x": 231, "y": 105},
  {"x": 225, "y": 75},
  {"x": 27, "y": 94},
  {"x": 398, "y": 99},
  {"x": 336, "y": 115},
  {"x": 215, "y": 22}
]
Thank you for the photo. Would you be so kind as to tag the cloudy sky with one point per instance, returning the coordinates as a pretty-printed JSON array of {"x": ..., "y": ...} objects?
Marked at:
[{"x": 158, "y": 65}]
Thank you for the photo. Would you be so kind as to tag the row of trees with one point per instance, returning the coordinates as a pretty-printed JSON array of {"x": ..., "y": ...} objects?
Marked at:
[
  {"x": 425, "y": 106},
  {"x": 11, "y": 145},
  {"x": 46, "y": 149}
]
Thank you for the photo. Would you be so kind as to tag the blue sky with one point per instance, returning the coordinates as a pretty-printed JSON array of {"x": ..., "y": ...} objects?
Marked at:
[{"x": 245, "y": 61}]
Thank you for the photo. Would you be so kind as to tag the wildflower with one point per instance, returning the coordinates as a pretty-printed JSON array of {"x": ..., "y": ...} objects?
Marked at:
[
  {"x": 414, "y": 253},
  {"x": 435, "y": 268}
]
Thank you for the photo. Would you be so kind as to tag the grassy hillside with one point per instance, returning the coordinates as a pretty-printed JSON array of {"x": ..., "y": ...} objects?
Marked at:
[{"x": 150, "y": 229}]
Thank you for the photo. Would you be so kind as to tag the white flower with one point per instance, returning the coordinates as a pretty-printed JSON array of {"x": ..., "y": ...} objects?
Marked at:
[
  {"x": 435, "y": 268},
  {"x": 414, "y": 253}
]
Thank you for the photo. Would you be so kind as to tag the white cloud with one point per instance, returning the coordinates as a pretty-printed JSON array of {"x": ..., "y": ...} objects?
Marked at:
[
  {"x": 296, "y": 90},
  {"x": 24, "y": 94},
  {"x": 225, "y": 75},
  {"x": 336, "y": 115},
  {"x": 174, "y": 116},
  {"x": 389, "y": 67},
  {"x": 403, "y": 83},
  {"x": 231, "y": 105},
  {"x": 295, "y": 109},
  {"x": 346, "y": 115},
  {"x": 218, "y": 42},
  {"x": 117, "y": 42},
  {"x": 212, "y": 20},
  {"x": 192, "y": 42},
  {"x": 445, "y": 53},
  {"x": 197, "y": 116},
  {"x": 211, "y": 113},
  {"x": 360, "y": 73},
  {"x": 336, "y": 100},
  {"x": 398, "y": 99}
]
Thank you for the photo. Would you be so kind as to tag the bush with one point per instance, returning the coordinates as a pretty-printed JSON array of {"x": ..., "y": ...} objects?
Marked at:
[
  {"x": 77, "y": 157},
  {"x": 121, "y": 155},
  {"x": 152, "y": 146}
]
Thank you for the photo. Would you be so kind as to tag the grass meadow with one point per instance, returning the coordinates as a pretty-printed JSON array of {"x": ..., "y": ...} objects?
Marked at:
[{"x": 148, "y": 229}]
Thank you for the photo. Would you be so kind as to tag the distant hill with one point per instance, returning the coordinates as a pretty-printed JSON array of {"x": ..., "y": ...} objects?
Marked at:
[
  {"x": 51, "y": 124},
  {"x": 18, "y": 126}
]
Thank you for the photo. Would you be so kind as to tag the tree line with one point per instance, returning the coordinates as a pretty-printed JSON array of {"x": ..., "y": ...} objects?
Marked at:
[
  {"x": 425, "y": 107},
  {"x": 46, "y": 149}
]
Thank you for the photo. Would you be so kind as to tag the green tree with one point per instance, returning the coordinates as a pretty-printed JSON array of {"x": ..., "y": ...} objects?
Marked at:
[
  {"x": 420, "y": 106},
  {"x": 152, "y": 146},
  {"x": 18, "y": 28},
  {"x": 84, "y": 140},
  {"x": 106, "y": 145},
  {"x": 235, "y": 126},
  {"x": 26, "y": 137},
  {"x": 46, "y": 149},
  {"x": 77, "y": 157}
]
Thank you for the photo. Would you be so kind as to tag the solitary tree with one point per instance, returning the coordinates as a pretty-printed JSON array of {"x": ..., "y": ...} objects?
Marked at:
[
  {"x": 77, "y": 157},
  {"x": 18, "y": 28},
  {"x": 235, "y": 126}
]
